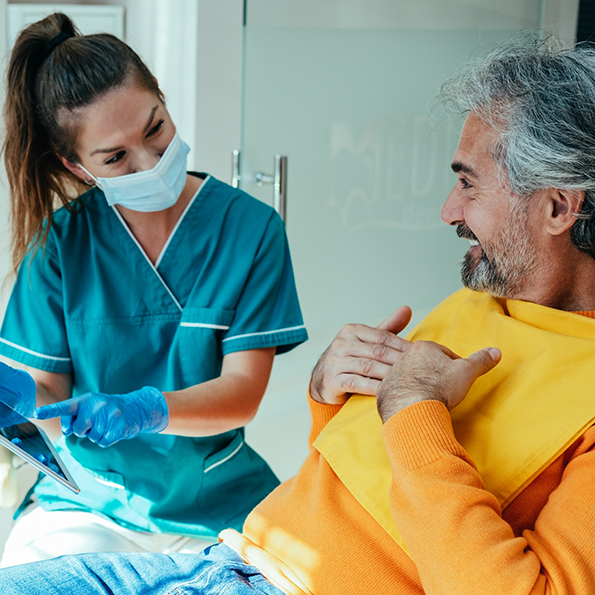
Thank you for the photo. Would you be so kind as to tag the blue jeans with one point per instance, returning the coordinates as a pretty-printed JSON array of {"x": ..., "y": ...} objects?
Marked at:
[{"x": 218, "y": 570}]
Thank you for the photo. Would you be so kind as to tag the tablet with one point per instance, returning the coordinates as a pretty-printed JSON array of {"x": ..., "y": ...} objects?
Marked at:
[{"x": 32, "y": 444}]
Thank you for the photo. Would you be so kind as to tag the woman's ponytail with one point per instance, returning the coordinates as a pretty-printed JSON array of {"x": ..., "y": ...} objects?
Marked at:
[
  {"x": 35, "y": 174},
  {"x": 53, "y": 72}
]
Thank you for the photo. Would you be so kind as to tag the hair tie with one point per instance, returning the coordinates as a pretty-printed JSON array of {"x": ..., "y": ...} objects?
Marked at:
[{"x": 53, "y": 43}]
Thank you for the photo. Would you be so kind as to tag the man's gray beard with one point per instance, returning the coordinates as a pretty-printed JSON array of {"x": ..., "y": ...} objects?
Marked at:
[{"x": 512, "y": 257}]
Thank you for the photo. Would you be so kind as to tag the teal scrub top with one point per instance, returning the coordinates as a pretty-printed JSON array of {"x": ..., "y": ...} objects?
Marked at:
[{"x": 92, "y": 304}]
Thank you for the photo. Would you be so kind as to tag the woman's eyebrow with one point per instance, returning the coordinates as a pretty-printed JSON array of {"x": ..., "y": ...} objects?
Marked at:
[
  {"x": 148, "y": 125},
  {"x": 150, "y": 119},
  {"x": 106, "y": 150}
]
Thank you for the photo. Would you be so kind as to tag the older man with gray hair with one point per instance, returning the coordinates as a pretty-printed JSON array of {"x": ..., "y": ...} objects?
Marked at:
[{"x": 471, "y": 472}]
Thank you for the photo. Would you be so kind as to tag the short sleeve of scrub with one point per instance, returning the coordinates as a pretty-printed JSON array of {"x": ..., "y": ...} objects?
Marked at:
[
  {"x": 93, "y": 305},
  {"x": 33, "y": 332},
  {"x": 268, "y": 312}
]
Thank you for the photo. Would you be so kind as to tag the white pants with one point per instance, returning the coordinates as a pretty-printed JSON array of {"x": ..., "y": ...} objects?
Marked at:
[{"x": 40, "y": 535}]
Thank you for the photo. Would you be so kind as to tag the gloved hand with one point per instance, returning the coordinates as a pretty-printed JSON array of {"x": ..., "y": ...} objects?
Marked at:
[
  {"x": 44, "y": 459},
  {"x": 107, "y": 419},
  {"x": 18, "y": 390}
]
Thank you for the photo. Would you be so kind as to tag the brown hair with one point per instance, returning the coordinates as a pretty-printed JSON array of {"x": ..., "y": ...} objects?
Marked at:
[{"x": 49, "y": 78}]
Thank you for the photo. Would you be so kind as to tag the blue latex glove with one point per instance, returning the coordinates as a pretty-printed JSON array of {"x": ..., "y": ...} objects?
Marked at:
[
  {"x": 107, "y": 419},
  {"x": 18, "y": 390}
]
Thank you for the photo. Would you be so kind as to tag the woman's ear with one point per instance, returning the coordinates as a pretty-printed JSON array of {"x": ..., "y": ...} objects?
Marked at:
[
  {"x": 563, "y": 206},
  {"x": 76, "y": 169}
]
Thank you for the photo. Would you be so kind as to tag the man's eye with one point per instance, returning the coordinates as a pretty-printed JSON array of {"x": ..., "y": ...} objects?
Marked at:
[
  {"x": 115, "y": 158},
  {"x": 464, "y": 183},
  {"x": 155, "y": 128}
]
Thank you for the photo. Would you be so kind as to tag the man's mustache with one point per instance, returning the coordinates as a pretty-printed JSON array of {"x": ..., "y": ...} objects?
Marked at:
[{"x": 463, "y": 231}]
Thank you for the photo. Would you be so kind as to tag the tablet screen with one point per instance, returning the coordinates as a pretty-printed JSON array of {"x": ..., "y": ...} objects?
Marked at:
[{"x": 31, "y": 443}]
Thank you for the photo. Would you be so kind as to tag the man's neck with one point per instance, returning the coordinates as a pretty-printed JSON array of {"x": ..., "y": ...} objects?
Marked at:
[{"x": 568, "y": 285}]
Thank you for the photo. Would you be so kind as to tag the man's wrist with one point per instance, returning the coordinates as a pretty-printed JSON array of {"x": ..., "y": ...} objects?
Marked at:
[{"x": 389, "y": 408}]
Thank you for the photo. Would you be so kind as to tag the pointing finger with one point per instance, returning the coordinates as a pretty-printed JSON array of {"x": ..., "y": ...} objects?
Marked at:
[{"x": 60, "y": 409}]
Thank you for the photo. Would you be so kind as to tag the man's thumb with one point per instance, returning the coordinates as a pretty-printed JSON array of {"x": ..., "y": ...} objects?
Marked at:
[
  {"x": 485, "y": 359},
  {"x": 397, "y": 321}
]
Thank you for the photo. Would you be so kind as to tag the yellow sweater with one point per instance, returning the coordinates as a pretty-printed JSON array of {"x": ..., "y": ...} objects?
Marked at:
[{"x": 311, "y": 535}]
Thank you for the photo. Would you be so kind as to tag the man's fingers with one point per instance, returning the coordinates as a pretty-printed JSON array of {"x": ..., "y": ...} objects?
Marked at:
[
  {"x": 367, "y": 368},
  {"x": 397, "y": 321},
  {"x": 484, "y": 360},
  {"x": 368, "y": 352},
  {"x": 361, "y": 354},
  {"x": 359, "y": 385},
  {"x": 375, "y": 336}
]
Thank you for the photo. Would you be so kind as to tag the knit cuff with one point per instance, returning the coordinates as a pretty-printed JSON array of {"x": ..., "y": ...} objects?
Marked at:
[
  {"x": 321, "y": 415},
  {"x": 419, "y": 435}
]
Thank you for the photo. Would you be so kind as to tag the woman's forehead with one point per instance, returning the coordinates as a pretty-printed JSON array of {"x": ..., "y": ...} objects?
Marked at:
[{"x": 117, "y": 115}]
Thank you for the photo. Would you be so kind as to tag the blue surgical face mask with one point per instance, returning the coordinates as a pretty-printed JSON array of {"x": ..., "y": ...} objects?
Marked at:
[{"x": 153, "y": 190}]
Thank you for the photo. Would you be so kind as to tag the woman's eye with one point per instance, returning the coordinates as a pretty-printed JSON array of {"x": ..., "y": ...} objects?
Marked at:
[
  {"x": 155, "y": 128},
  {"x": 115, "y": 158}
]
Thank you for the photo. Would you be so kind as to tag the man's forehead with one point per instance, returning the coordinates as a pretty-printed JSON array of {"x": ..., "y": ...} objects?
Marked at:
[{"x": 476, "y": 148}]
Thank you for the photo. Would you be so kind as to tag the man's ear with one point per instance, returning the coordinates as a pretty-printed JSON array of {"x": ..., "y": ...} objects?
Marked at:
[
  {"x": 75, "y": 169},
  {"x": 562, "y": 208}
]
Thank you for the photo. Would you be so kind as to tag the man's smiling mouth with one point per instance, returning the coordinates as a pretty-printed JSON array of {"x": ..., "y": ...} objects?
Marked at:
[{"x": 463, "y": 231}]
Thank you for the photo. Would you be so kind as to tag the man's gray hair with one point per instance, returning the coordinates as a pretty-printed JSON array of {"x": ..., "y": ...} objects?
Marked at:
[{"x": 541, "y": 99}]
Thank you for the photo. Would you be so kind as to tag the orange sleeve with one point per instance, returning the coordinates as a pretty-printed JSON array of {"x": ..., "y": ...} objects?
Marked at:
[
  {"x": 321, "y": 415},
  {"x": 454, "y": 529}
]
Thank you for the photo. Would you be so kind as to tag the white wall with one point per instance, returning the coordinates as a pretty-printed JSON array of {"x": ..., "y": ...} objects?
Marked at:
[
  {"x": 557, "y": 15},
  {"x": 392, "y": 14},
  {"x": 560, "y": 17}
]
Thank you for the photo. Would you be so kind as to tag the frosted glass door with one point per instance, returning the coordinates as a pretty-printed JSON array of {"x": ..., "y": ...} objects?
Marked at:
[{"x": 343, "y": 88}]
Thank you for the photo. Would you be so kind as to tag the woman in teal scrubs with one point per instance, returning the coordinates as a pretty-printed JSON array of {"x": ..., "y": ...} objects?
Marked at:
[{"x": 148, "y": 310}]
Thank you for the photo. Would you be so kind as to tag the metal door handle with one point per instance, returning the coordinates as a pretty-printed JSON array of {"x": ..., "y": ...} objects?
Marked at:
[
  {"x": 235, "y": 168},
  {"x": 279, "y": 181}
]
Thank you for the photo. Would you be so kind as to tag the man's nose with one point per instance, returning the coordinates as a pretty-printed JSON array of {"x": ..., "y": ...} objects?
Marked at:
[{"x": 452, "y": 209}]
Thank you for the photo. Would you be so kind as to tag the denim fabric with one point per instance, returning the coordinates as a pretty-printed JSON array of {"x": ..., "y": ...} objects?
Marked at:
[{"x": 218, "y": 570}]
